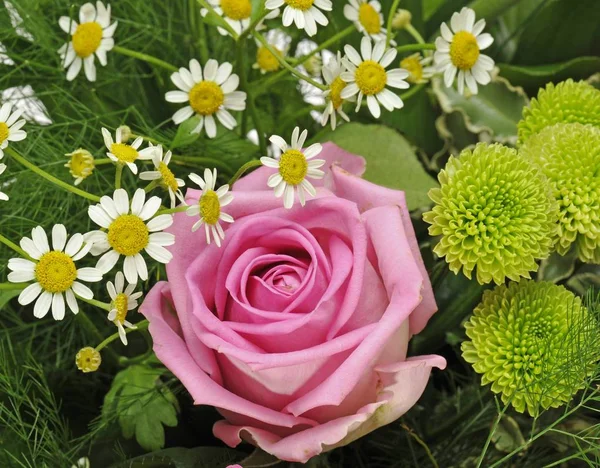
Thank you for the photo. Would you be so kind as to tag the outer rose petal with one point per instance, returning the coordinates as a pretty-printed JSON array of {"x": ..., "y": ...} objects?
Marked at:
[
  {"x": 332, "y": 154},
  {"x": 368, "y": 195},
  {"x": 395, "y": 399}
]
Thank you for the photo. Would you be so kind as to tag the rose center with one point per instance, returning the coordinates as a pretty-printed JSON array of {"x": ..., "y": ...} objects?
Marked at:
[
  {"x": 370, "y": 77},
  {"x": 293, "y": 167},
  {"x": 464, "y": 50},
  {"x": 369, "y": 18},
  {"x": 302, "y": 5},
  {"x": 236, "y": 9},
  {"x": 123, "y": 152},
  {"x": 266, "y": 60},
  {"x": 206, "y": 97},
  {"x": 168, "y": 177},
  {"x": 3, "y": 132},
  {"x": 87, "y": 38},
  {"x": 210, "y": 207},
  {"x": 120, "y": 304},
  {"x": 128, "y": 235},
  {"x": 336, "y": 88},
  {"x": 55, "y": 272},
  {"x": 414, "y": 67}
]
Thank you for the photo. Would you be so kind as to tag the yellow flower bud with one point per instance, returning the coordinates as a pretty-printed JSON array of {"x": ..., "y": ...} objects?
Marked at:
[{"x": 88, "y": 359}]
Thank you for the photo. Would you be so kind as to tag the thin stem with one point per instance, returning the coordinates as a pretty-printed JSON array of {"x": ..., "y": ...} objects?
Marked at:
[
  {"x": 286, "y": 65},
  {"x": 145, "y": 58},
  {"x": 13, "y": 286},
  {"x": 410, "y": 29},
  {"x": 101, "y": 162},
  {"x": 415, "y": 47},
  {"x": 224, "y": 24},
  {"x": 412, "y": 91},
  {"x": 422, "y": 444},
  {"x": 87, "y": 323},
  {"x": 118, "y": 175},
  {"x": 14, "y": 247},
  {"x": 253, "y": 25},
  {"x": 332, "y": 40},
  {"x": 151, "y": 186},
  {"x": 490, "y": 435},
  {"x": 95, "y": 303},
  {"x": 242, "y": 170},
  {"x": 138, "y": 327},
  {"x": 177, "y": 209},
  {"x": 390, "y": 20},
  {"x": 82, "y": 193}
]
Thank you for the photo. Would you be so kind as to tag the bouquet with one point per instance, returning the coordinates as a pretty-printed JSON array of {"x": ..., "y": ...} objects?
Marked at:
[{"x": 247, "y": 233}]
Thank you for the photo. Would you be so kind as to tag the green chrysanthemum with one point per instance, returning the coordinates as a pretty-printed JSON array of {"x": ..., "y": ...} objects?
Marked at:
[
  {"x": 494, "y": 211},
  {"x": 569, "y": 155},
  {"x": 533, "y": 342},
  {"x": 567, "y": 102}
]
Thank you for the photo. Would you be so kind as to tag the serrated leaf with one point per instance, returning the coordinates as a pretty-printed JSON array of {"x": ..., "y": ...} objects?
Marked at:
[
  {"x": 179, "y": 457},
  {"x": 184, "y": 135},
  {"x": 496, "y": 108},
  {"x": 142, "y": 405},
  {"x": 391, "y": 161}
]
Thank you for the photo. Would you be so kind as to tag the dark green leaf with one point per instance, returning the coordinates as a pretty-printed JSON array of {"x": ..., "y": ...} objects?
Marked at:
[
  {"x": 490, "y": 9},
  {"x": 184, "y": 136},
  {"x": 6, "y": 296},
  {"x": 557, "y": 267},
  {"x": 507, "y": 436}
]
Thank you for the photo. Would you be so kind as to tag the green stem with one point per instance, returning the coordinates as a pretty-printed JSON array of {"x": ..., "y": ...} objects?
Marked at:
[
  {"x": 145, "y": 58},
  {"x": 118, "y": 175},
  {"x": 242, "y": 170},
  {"x": 253, "y": 25},
  {"x": 14, "y": 247},
  {"x": 490, "y": 435},
  {"x": 94, "y": 302},
  {"x": 17, "y": 157},
  {"x": 415, "y": 47},
  {"x": 103, "y": 161},
  {"x": 412, "y": 91},
  {"x": 139, "y": 326},
  {"x": 151, "y": 186},
  {"x": 87, "y": 323},
  {"x": 332, "y": 40},
  {"x": 224, "y": 24},
  {"x": 286, "y": 65},
  {"x": 13, "y": 286},
  {"x": 177, "y": 209},
  {"x": 390, "y": 20},
  {"x": 410, "y": 29}
]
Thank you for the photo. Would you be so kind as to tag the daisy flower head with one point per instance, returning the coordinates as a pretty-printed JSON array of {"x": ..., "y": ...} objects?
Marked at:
[
  {"x": 458, "y": 51},
  {"x": 3, "y": 196},
  {"x": 418, "y": 68},
  {"x": 10, "y": 126},
  {"x": 93, "y": 35},
  {"x": 53, "y": 270},
  {"x": 332, "y": 75},
  {"x": 122, "y": 301},
  {"x": 210, "y": 91},
  {"x": 266, "y": 61},
  {"x": 237, "y": 14},
  {"x": 81, "y": 164},
  {"x": 293, "y": 167},
  {"x": 305, "y": 13},
  {"x": 209, "y": 206},
  {"x": 367, "y": 76},
  {"x": 367, "y": 17},
  {"x": 164, "y": 176},
  {"x": 87, "y": 360},
  {"x": 131, "y": 227},
  {"x": 124, "y": 153}
]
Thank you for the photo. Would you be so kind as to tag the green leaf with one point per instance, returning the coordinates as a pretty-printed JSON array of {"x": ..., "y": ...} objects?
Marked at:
[
  {"x": 7, "y": 295},
  {"x": 184, "y": 135},
  {"x": 507, "y": 436},
  {"x": 453, "y": 130},
  {"x": 557, "y": 267},
  {"x": 179, "y": 457},
  {"x": 142, "y": 405},
  {"x": 496, "y": 109},
  {"x": 391, "y": 161},
  {"x": 536, "y": 76}
]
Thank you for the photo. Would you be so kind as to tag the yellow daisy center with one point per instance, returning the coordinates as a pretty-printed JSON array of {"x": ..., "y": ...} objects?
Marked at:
[
  {"x": 206, "y": 97},
  {"x": 413, "y": 65},
  {"x": 123, "y": 152},
  {"x": 128, "y": 235},
  {"x": 236, "y": 9},
  {"x": 168, "y": 178},
  {"x": 293, "y": 167},
  {"x": 336, "y": 88},
  {"x": 56, "y": 272},
  {"x": 87, "y": 38},
  {"x": 464, "y": 50},
  {"x": 81, "y": 164},
  {"x": 88, "y": 359},
  {"x": 3, "y": 132},
  {"x": 370, "y": 77},
  {"x": 210, "y": 207},
  {"x": 120, "y": 304},
  {"x": 266, "y": 60},
  {"x": 369, "y": 18},
  {"x": 302, "y": 5}
]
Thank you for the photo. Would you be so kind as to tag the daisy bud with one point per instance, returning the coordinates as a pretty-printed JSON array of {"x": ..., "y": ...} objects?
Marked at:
[
  {"x": 126, "y": 133},
  {"x": 88, "y": 359},
  {"x": 81, "y": 164},
  {"x": 402, "y": 18}
]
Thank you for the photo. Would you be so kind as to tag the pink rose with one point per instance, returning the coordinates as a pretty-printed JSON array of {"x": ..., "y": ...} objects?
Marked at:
[{"x": 297, "y": 328}]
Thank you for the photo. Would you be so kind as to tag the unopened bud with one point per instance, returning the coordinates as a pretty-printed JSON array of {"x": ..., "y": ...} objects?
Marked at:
[{"x": 402, "y": 19}]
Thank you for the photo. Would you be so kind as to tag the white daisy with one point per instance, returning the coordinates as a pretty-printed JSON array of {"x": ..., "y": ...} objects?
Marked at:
[
  {"x": 208, "y": 93},
  {"x": 10, "y": 126},
  {"x": 123, "y": 153},
  {"x": 164, "y": 175},
  {"x": 367, "y": 17},
  {"x": 81, "y": 164},
  {"x": 122, "y": 301},
  {"x": 332, "y": 75},
  {"x": 367, "y": 76},
  {"x": 54, "y": 271},
  {"x": 418, "y": 68},
  {"x": 92, "y": 36},
  {"x": 294, "y": 166},
  {"x": 266, "y": 62},
  {"x": 305, "y": 13},
  {"x": 127, "y": 233},
  {"x": 237, "y": 13},
  {"x": 459, "y": 50},
  {"x": 209, "y": 206},
  {"x": 3, "y": 196}
]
